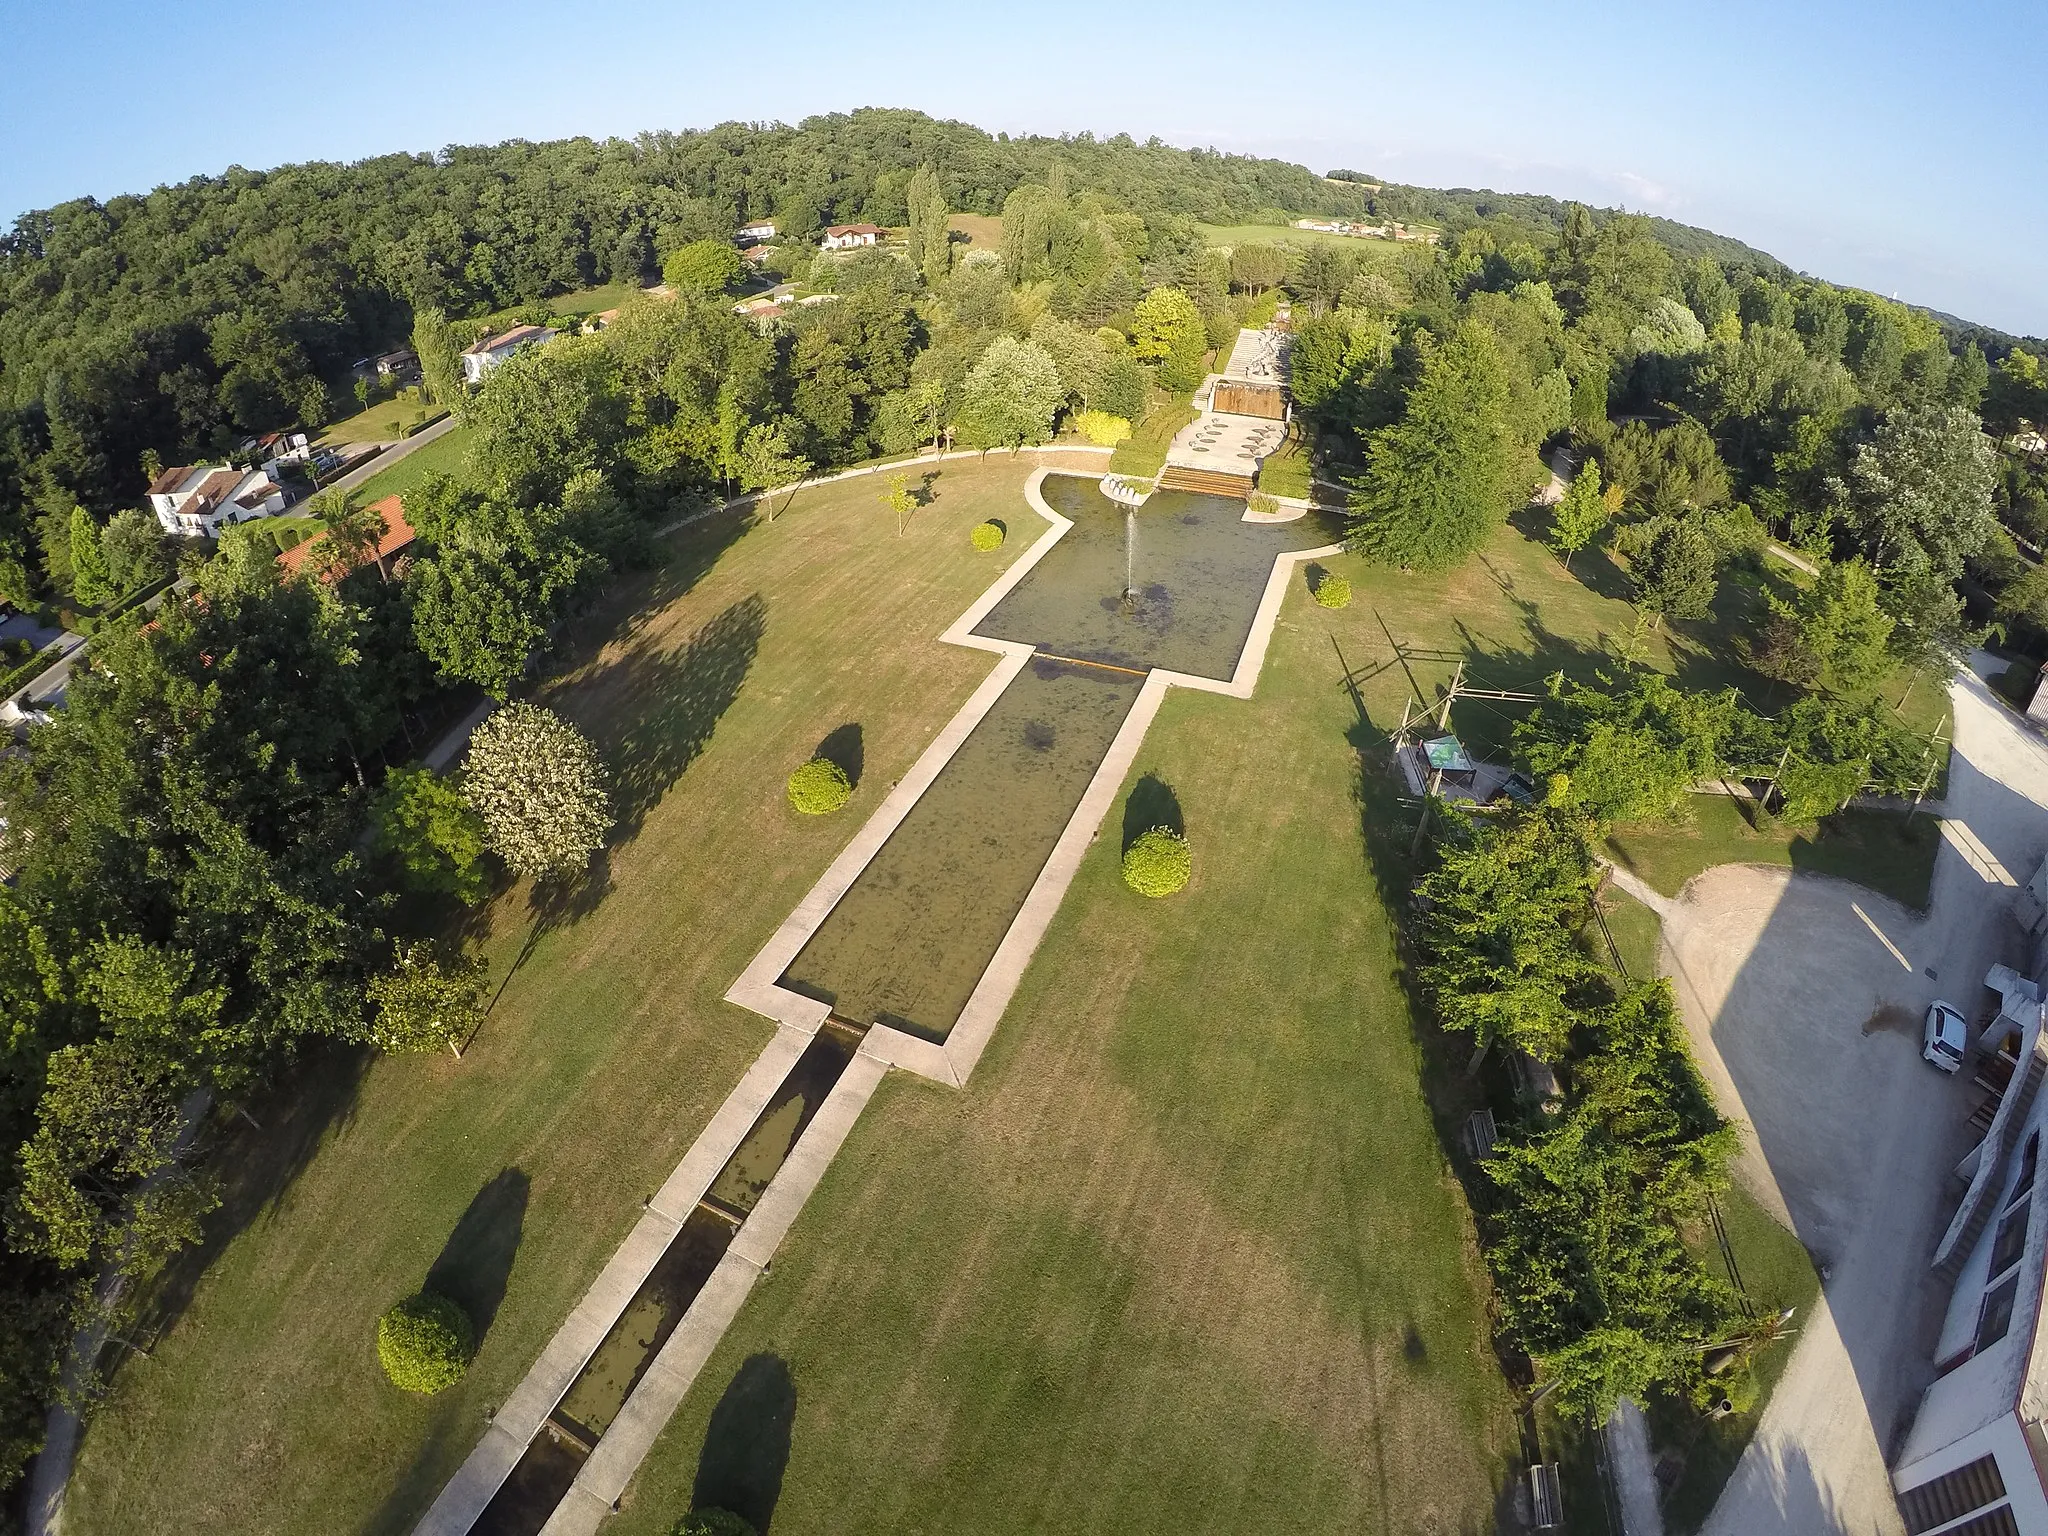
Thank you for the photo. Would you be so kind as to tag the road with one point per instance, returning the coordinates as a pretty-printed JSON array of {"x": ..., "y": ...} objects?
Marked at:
[
  {"x": 1806, "y": 1023},
  {"x": 47, "y": 690}
]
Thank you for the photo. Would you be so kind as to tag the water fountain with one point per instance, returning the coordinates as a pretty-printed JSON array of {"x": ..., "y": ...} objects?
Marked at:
[{"x": 1130, "y": 557}]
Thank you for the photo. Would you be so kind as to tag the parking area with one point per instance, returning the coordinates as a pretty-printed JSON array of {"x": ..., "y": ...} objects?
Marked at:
[{"x": 1804, "y": 998}]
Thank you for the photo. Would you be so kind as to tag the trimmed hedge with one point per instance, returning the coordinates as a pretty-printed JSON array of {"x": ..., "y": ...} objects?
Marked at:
[
  {"x": 1334, "y": 591},
  {"x": 819, "y": 786},
  {"x": 987, "y": 536},
  {"x": 424, "y": 1343},
  {"x": 1158, "y": 863}
]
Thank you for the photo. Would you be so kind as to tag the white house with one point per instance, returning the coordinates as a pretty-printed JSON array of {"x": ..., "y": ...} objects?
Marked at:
[
  {"x": 842, "y": 237},
  {"x": 760, "y": 229},
  {"x": 1976, "y": 1460},
  {"x": 203, "y": 498},
  {"x": 487, "y": 352}
]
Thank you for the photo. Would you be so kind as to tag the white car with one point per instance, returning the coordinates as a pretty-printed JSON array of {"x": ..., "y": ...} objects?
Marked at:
[{"x": 1946, "y": 1037}]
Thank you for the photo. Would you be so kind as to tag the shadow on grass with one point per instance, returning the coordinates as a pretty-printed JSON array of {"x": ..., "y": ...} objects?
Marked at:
[
  {"x": 844, "y": 747},
  {"x": 746, "y": 1446},
  {"x": 256, "y": 1157},
  {"x": 1152, "y": 803},
  {"x": 475, "y": 1263}
]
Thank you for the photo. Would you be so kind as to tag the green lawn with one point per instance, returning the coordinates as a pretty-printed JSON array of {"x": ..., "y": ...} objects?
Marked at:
[
  {"x": 262, "y": 1410},
  {"x": 1144, "y": 451},
  {"x": 1186, "y": 1251},
  {"x": 443, "y": 456},
  {"x": 1878, "y": 849},
  {"x": 1288, "y": 469},
  {"x": 384, "y": 422}
]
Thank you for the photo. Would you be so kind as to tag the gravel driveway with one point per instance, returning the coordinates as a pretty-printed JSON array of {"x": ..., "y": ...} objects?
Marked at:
[{"x": 1807, "y": 1026}]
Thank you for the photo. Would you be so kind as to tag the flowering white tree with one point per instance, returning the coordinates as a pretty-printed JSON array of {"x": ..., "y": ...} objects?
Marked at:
[{"x": 535, "y": 781}]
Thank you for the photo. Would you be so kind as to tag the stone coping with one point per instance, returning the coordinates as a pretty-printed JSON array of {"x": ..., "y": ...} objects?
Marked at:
[
  {"x": 603, "y": 1478},
  {"x": 951, "y": 1062}
]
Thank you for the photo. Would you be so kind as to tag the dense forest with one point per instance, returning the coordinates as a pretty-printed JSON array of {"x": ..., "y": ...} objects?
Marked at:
[{"x": 216, "y": 863}]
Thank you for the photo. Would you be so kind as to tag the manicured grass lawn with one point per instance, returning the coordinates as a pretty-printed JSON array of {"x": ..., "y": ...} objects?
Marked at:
[
  {"x": 443, "y": 456},
  {"x": 384, "y": 422},
  {"x": 1287, "y": 470},
  {"x": 1186, "y": 1252},
  {"x": 1636, "y": 932},
  {"x": 1144, "y": 451},
  {"x": 1879, "y": 849},
  {"x": 263, "y": 1410}
]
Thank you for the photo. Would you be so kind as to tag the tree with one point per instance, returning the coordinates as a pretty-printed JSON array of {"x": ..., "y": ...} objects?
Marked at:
[
  {"x": 545, "y": 415},
  {"x": 352, "y": 533},
  {"x": 136, "y": 550},
  {"x": 1629, "y": 754},
  {"x": 901, "y": 501},
  {"x": 1167, "y": 330},
  {"x": 702, "y": 266},
  {"x": 424, "y": 824},
  {"x": 1255, "y": 267},
  {"x": 766, "y": 464},
  {"x": 1502, "y": 912},
  {"x": 1921, "y": 490},
  {"x": 534, "y": 780},
  {"x": 91, "y": 581},
  {"x": 1010, "y": 395},
  {"x": 930, "y": 242},
  {"x": 425, "y": 1003},
  {"x": 1581, "y": 512},
  {"x": 440, "y": 358},
  {"x": 1675, "y": 576},
  {"x": 1440, "y": 479},
  {"x": 1833, "y": 634}
]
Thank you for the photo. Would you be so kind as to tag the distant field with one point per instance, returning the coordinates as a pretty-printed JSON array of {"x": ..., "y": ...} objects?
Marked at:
[
  {"x": 1376, "y": 252},
  {"x": 983, "y": 231}
]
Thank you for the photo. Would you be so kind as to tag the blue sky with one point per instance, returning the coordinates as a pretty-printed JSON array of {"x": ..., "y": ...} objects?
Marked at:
[{"x": 1892, "y": 146}]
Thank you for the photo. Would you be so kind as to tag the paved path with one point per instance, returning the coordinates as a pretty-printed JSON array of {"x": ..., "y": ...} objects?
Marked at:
[
  {"x": 1807, "y": 1025},
  {"x": 1635, "y": 1476},
  {"x": 392, "y": 453}
]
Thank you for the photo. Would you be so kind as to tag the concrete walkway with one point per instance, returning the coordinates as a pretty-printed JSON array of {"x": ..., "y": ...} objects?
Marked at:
[
  {"x": 1802, "y": 996},
  {"x": 1627, "y": 1435},
  {"x": 391, "y": 454}
]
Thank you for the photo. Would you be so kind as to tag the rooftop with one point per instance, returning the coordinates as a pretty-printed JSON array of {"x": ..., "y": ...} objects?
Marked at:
[
  {"x": 398, "y": 533},
  {"x": 503, "y": 339}
]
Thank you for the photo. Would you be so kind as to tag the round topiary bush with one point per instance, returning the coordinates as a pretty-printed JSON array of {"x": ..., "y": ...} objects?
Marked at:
[
  {"x": 819, "y": 786},
  {"x": 712, "y": 1522},
  {"x": 424, "y": 1343},
  {"x": 1334, "y": 592},
  {"x": 1158, "y": 863},
  {"x": 987, "y": 536}
]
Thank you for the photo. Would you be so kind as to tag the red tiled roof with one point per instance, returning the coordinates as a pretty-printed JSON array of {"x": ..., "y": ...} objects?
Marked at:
[
  {"x": 853, "y": 229},
  {"x": 397, "y": 535},
  {"x": 169, "y": 480}
]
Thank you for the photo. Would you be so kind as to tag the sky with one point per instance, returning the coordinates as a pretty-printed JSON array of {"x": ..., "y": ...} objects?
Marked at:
[{"x": 1887, "y": 145}]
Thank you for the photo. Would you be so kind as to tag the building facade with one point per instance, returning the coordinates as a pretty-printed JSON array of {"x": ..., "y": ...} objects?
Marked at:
[
  {"x": 487, "y": 352},
  {"x": 198, "y": 500}
]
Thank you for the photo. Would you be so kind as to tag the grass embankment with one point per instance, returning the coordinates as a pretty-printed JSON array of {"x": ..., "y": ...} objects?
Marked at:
[
  {"x": 443, "y": 456},
  {"x": 384, "y": 422},
  {"x": 263, "y": 1410},
  {"x": 1144, "y": 451},
  {"x": 1288, "y": 469},
  {"x": 1879, "y": 849},
  {"x": 1186, "y": 1250},
  {"x": 984, "y": 231}
]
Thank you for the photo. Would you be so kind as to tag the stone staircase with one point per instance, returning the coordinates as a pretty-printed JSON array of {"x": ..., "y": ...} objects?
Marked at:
[{"x": 1207, "y": 482}]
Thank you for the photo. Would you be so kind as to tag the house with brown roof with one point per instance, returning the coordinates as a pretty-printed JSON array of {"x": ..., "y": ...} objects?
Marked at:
[
  {"x": 315, "y": 554},
  {"x": 486, "y": 352},
  {"x": 195, "y": 500},
  {"x": 844, "y": 237}
]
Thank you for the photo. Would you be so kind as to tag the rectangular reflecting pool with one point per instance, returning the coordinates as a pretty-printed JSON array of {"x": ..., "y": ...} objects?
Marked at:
[{"x": 908, "y": 941}]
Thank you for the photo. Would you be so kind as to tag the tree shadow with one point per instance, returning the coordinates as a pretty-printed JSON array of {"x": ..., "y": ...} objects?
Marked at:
[
  {"x": 255, "y": 1154},
  {"x": 924, "y": 492},
  {"x": 1313, "y": 574},
  {"x": 475, "y": 1263},
  {"x": 1152, "y": 803},
  {"x": 843, "y": 747},
  {"x": 666, "y": 707},
  {"x": 746, "y": 1446}
]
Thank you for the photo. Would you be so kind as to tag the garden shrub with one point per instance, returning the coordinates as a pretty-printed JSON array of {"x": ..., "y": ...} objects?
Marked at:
[
  {"x": 1263, "y": 503},
  {"x": 1158, "y": 863},
  {"x": 1101, "y": 428},
  {"x": 1334, "y": 591},
  {"x": 819, "y": 786},
  {"x": 987, "y": 536},
  {"x": 424, "y": 1343},
  {"x": 712, "y": 1522}
]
